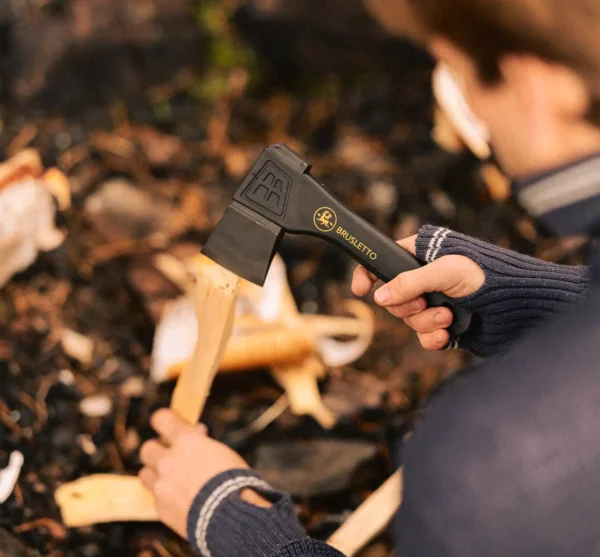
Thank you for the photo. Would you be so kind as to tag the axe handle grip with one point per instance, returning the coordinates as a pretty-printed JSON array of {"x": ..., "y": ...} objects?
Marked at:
[
  {"x": 392, "y": 260},
  {"x": 324, "y": 215}
]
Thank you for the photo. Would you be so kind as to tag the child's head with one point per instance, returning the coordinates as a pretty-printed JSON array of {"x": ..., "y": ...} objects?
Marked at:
[{"x": 530, "y": 69}]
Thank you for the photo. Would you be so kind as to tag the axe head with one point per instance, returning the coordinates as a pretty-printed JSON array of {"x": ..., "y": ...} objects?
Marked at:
[
  {"x": 248, "y": 236},
  {"x": 244, "y": 243}
]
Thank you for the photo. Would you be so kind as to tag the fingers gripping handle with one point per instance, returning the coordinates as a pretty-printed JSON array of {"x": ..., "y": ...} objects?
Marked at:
[
  {"x": 462, "y": 315},
  {"x": 378, "y": 253},
  {"x": 394, "y": 259}
]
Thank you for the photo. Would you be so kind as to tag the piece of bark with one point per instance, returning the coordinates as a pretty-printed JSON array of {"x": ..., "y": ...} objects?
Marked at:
[
  {"x": 370, "y": 519},
  {"x": 309, "y": 468},
  {"x": 109, "y": 498}
]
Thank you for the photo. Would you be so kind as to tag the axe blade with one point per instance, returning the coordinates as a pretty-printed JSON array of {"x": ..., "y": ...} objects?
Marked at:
[{"x": 245, "y": 243}]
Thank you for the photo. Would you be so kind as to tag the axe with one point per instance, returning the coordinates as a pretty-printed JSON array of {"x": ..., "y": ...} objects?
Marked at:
[{"x": 279, "y": 196}]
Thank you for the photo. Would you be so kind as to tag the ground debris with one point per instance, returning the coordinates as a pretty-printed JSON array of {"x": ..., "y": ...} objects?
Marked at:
[
  {"x": 120, "y": 210},
  {"x": 10, "y": 546}
]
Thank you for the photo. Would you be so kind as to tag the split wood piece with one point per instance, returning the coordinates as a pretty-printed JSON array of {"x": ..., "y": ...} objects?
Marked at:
[
  {"x": 370, "y": 519},
  {"x": 110, "y": 498},
  {"x": 59, "y": 187},
  {"x": 287, "y": 340},
  {"x": 216, "y": 295},
  {"x": 263, "y": 347},
  {"x": 26, "y": 164},
  {"x": 102, "y": 498},
  {"x": 301, "y": 381},
  {"x": 256, "y": 344}
]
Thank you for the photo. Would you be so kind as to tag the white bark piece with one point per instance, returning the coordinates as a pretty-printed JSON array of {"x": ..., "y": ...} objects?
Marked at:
[
  {"x": 10, "y": 475},
  {"x": 26, "y": 226},
  {"x": 95, "y": 406},
  {"x": 77, "y": 346}
]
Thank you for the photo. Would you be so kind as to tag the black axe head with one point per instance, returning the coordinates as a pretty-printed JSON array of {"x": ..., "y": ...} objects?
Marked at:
[{"x": 248, "y": 236}]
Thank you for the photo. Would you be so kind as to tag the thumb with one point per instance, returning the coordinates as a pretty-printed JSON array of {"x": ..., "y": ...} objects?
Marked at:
[{"x": 454, "y": 275}]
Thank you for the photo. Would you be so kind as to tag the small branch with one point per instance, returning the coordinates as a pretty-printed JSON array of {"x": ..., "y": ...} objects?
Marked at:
[{"x": 370, "y": 519}]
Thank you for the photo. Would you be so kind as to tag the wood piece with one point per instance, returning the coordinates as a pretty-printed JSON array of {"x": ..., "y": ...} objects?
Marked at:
[
  {"x": 216, "y": 294},
  {"x": 104, "y": 498},
  {"x": 370, "y": 519},
  {"x": 301, "y": 381},
  {"x": 58, "y": 185},
  {"x": 267, "y": 346},
  {"x": 109, "y": 498}
]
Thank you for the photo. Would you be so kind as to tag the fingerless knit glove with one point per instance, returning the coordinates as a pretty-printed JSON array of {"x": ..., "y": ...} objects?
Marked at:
[
  {"x": 519, "y": 293},
  {"x": 222, "y": 524}
]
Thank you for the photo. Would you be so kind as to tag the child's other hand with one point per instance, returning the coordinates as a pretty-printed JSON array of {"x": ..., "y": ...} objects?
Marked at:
[
  {"x": 177, "y": 468},
  {"x": 454, "y": 275}
]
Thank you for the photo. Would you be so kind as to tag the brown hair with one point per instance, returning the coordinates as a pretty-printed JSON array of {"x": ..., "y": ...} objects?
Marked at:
[{"x": 561, "y": 31}]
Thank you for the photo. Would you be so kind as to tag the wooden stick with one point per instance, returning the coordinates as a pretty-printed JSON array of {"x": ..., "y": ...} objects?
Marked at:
[
  {"x": 370, "y": 519},
  {"x": 108, "y": 498},
  {"x": 215, "y": 297}
]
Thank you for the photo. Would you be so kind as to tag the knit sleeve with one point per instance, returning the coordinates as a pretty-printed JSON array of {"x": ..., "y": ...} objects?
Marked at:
[
  {"x": 222, "y": 524},
  {"x": 520, "y": 292}
]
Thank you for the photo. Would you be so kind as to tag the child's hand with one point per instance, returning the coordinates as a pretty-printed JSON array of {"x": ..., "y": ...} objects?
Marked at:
[
  {"x": 454, "y": 275},
  {"x": 177, "y": 468}
]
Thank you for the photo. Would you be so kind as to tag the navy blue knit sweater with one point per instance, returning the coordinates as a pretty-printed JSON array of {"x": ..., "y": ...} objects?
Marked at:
[{"x": 506, "y": 460}]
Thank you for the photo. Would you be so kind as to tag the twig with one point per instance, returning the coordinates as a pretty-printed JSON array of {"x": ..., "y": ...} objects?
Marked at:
[
  {"x": 263, "y": 421},
  {"x": 370, "y": 519}
]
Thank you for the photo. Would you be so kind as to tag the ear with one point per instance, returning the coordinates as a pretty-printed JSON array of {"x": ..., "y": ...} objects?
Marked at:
[{"x": 462, "y": 64}]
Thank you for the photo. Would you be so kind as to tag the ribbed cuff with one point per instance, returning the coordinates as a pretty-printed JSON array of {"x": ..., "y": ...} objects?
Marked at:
[
  {"x": 520, "y": 292},
  {"x": 309, "y": 548},
  {"x": 222, "y": 524}
]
